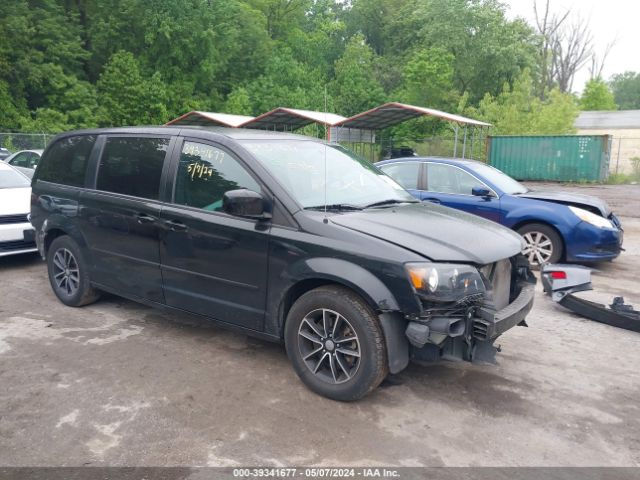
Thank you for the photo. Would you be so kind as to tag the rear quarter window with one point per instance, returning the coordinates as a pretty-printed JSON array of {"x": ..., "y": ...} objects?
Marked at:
[{"x": 65, "y": 162}]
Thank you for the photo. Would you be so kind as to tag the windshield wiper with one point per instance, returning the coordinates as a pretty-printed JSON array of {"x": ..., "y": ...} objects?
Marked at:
[
  {"x": 335, "y": 206},
  {"x": 391, "y": 201}
]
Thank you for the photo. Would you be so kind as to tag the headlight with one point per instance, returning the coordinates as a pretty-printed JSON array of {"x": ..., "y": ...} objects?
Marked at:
[
  {"x": 444, "y": 282},
  {"x": 592, "y": 218}
]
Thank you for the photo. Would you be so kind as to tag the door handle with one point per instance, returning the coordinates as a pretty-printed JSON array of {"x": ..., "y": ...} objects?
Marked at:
[
  {"x": 176, "y": 226},
  {"x": 144, "y": 218},
  {"x": 432, "y": 200}
]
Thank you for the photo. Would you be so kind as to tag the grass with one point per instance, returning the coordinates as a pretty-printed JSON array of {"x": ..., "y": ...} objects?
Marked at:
[{"x": 622, "y": 178}]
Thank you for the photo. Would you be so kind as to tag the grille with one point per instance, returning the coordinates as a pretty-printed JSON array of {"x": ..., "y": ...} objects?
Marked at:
[
  {"x": 20, "y": 218},
  {"x": 16, "y": 245},
  {"x": 481, "y": 329}
]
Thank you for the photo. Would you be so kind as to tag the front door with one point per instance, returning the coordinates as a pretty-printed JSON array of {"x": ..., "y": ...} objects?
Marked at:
[
  {"x": 120, "y": 218},
  {"x": 451, "y": 186},
  {"x": 213, "y": 264}
]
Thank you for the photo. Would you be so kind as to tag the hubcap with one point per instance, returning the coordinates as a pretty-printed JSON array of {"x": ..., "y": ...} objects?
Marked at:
[
  {"x": 329, "y": 346},
  {"x": 65, "y": 271},
  {"x": 538, "y": 248}
]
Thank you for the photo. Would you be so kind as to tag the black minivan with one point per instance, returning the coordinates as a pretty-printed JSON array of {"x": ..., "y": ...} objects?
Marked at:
[{"x": 283, "y": 236}]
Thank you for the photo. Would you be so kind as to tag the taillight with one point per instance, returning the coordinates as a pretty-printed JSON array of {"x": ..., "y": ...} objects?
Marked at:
[{"x": 558, "y": 275}]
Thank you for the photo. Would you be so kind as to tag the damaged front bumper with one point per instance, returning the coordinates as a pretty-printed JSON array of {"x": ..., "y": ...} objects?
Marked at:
[{"x": 469, "y": 335}]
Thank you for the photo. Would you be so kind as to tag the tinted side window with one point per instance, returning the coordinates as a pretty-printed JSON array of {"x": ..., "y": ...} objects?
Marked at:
[
  {"x": 20, "y": 160},
  {"x": 205, "y": 173},
  {"x": 66, "y": 161},
  {"x": 447, "y": 179},
  {"x": 132, "y": 166},
  {"x": 406, "y": 174}
]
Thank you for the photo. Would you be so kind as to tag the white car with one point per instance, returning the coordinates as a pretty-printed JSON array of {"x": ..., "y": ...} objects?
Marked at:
[
  {"x": 16, "y": 233},
  {"x": 25, "y": 161}
]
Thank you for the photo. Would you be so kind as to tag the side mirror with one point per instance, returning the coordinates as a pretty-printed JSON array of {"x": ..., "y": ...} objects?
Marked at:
[
  {"x": 481, "y": 192},
  {"x": 244, "y": 203}
]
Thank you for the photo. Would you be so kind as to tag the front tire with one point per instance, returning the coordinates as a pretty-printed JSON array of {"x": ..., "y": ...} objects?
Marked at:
[
  {"x": 543, "y": 244},
  {"x": 68, "y": 273},
  {"x": 335, "y": 343}
]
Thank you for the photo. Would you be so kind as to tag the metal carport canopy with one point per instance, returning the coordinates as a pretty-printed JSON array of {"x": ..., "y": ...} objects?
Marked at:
[
  {"x": 393, "y": 113},
  {"x": 204, "y": 119},
  {"x": 283, "y": 118}
]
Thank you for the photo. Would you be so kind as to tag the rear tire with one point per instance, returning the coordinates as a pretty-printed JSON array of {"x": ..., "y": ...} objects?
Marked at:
[
  {"x": 334, "y": 331},
  {"x": 68, "y": 273},
  {"x": 544, "y": 244}
]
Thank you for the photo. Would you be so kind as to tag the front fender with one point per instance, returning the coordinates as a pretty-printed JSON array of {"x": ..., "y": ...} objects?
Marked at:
[
  {"x": 351, "y": 275},
  {"x": 372, "y": 290},
  {"x": 558, "y": 216}
]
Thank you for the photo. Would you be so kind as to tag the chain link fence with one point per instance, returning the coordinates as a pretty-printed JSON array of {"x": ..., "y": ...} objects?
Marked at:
[
  {"x": 625, "y": 156},
  {"x": 25, "y": 141}
]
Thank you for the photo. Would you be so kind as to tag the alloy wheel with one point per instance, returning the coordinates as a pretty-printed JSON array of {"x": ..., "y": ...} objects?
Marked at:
[
  {"x": 538, "y": 248},
  {"x": 329, "y": 346},
  {"x": 66, "y": 273}
]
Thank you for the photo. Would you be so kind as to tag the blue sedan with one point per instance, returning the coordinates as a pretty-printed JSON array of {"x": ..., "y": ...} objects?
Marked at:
[{"x": 555, "y": 225}]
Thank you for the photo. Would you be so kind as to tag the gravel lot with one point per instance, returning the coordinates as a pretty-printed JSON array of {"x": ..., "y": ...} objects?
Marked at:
[{"x": 118, "y": 383}]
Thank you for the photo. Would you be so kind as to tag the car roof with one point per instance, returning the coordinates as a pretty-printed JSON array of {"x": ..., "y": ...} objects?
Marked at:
[
  {"x": 234, "y": 133},
  {"x": 34, "y": 150},
  {"x": 445, "y": 160}
]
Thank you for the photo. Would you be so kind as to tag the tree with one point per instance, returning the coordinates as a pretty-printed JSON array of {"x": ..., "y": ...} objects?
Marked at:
[
  {"x": 355, "y": 87},
  {"x": 597, "y": 96},
  {"x": 286, "y": 82},
  {"x": 564, "y": 48},
  {"x": 626, "y": 90},
  {"x": 238, "y": 102},
  {"x": 547, "y": 25},
  {"x": 572, "y": 48},
  {"x": 125, "y": 97},
  {"x": 518, "y": 111},
  {"x": 488, "y": 48},
  {"x": 428, "y": 79}
]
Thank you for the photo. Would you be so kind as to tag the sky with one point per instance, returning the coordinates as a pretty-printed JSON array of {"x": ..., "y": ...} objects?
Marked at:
[{"x": 608, "y": 19}]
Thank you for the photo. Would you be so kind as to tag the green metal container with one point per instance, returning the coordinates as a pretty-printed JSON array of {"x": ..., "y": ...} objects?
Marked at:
[{"x": 559, "y": 158}]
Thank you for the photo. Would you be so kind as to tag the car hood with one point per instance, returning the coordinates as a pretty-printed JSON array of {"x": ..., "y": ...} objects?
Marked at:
[
  {"x": 15, "y": 200},
  {"x": 438, "y": 233},
  {"x": 575, "y": 199}
]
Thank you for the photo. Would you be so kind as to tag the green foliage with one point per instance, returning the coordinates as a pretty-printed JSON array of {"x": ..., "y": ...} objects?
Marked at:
[
  {"x": 518, "y": 111},
  {"x": 76, "y": 64},
  {"x": 125, "y": 97},
  {"x": 286, "y": 82},
  {"x": 238, "y": 102},
  {"x": 597, "y": 96},
  {"x": 355, "y": 86},
  {"x": 626, "y": 90}
]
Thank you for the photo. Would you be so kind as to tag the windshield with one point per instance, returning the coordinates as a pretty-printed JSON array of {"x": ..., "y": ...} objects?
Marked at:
[
  {"x": 9, "y": 178},
  {"x": 500, "y": 180},
  {"x": 299, "y": 165}
]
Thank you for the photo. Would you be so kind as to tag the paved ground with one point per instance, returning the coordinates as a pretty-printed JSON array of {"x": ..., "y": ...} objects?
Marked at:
[{"x": 117, "y": 383}]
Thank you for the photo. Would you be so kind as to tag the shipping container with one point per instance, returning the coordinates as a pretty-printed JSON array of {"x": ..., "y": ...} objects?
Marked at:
[{"x": 561, "y": 158}]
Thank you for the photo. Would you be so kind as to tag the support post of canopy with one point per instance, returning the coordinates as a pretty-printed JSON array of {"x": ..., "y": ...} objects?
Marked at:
[
  {"x": 464, "y": 143},
  {"x": 455, "y": 142}
]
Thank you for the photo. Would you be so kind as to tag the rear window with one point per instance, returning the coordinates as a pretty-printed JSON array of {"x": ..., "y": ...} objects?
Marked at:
[
  {"x": 132, "y": 166},
  {"x": 66, "y": 161}
]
